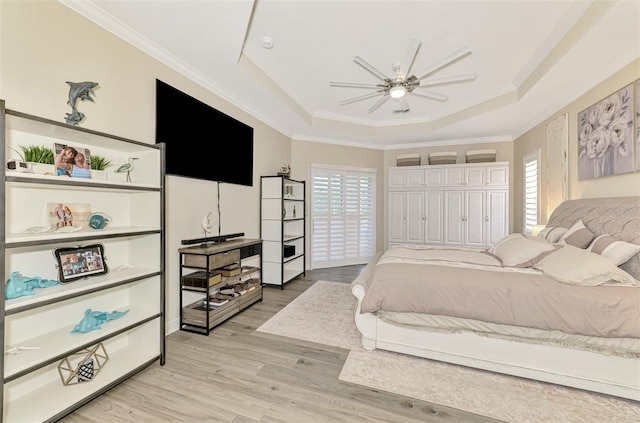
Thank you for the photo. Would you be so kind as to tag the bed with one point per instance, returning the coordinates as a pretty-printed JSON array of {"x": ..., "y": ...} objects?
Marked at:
[{"x": 518, "y": 308}]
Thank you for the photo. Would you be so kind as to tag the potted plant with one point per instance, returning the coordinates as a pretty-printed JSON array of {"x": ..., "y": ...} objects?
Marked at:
[
  {"x": 98, "y": 166},
  {"x": 40, "y": 159}
]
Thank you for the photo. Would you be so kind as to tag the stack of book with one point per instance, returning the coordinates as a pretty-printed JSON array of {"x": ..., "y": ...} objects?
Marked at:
[
  {"x": 232, "y": 269},
  {"x": 199, "y": 279}
]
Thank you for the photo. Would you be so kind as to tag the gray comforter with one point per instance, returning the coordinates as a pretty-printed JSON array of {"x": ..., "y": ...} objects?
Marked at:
[{"x": 476, "y": 288}]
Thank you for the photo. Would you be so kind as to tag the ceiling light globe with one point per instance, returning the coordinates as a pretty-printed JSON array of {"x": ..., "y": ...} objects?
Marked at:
[{"x": 397, "y": 92}]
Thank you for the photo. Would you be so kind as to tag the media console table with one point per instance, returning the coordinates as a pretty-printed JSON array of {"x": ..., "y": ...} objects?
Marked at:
[{"x": 205, "y": 270}]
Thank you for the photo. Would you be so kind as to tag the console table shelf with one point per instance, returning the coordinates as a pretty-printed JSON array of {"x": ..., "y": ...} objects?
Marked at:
[{"x": 199, "y": 270}]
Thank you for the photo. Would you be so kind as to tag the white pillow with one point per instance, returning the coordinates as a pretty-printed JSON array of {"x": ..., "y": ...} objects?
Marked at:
[
  {"x": 575, "y": 266},
  {"x": 517, "y": 250},
  {"x": 577, "y": 235},
  {"x": 618, "y": 251},
  {"x": 552, "y": 233}
]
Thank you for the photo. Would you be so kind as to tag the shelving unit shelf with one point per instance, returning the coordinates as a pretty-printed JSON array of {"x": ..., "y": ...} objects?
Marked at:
[
  {"x": 282, "y": 228},
  {"x": 38, "y": 330},
  {"x": 201, "y": 269}
]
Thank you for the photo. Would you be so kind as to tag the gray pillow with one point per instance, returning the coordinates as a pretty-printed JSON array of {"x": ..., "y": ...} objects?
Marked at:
[{"x": 577, "y": 235}]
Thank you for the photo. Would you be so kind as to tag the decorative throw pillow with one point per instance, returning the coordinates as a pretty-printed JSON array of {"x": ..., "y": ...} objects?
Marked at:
[
  {"x": 517, "y": 250},
  {"x": 618, "y": 251},
  {"x": 577, "y": 235},
  {"x": 576, "y": 266},
  {"x": 552, "y": 233}
]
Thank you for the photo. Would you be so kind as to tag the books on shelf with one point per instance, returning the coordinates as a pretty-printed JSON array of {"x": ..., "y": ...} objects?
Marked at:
[
  {"x": 230, "y": 270},
  {"x": 199, "y": 279},
  {"x": 213, "y": 303}
]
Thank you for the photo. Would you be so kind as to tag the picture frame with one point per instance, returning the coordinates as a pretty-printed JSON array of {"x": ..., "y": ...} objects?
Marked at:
[
  {"x": 67, "y": 217},
  {"x": 79, "y": 262},
  {"x": 606, "y": 136},
  {"x": 71, "y": 161}
]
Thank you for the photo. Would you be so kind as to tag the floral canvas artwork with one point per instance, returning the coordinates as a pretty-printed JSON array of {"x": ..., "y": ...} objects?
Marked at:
[{"x": 605, "y": 136}]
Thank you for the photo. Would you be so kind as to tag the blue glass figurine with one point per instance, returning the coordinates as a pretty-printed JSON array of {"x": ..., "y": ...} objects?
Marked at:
[
  {"x": 17, "y": 285},
  {"x": 98, "y": 220},
  {"x": 93, "y": 320}
]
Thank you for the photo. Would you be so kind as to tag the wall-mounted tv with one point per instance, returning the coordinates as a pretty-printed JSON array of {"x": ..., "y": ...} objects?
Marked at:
[{"x": 200, "y": 141}]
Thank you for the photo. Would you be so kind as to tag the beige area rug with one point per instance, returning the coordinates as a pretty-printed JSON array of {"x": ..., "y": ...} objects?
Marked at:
[{"x": 324, "y": 314}]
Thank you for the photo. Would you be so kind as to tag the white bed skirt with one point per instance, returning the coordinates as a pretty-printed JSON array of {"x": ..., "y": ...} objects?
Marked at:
[{"x": 617, "y": 376}]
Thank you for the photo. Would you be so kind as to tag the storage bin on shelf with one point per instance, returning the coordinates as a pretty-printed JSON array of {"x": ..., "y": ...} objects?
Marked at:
[
  {"x": 412, "y": 159},
  {"x": 443, "y": 157},
  {"x": 480, "y": 156}
]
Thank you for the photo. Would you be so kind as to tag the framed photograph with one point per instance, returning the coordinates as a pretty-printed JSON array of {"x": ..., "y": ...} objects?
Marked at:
[
  {"x": 68, "y": 217},
  {"x": 79, "y": 262},
  {"x": 605, "y": 136},
  {"x": 72, "y": 161}
]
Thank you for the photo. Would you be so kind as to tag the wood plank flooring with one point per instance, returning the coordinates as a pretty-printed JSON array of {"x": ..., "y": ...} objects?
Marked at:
[{"x": 237, "y": 375}]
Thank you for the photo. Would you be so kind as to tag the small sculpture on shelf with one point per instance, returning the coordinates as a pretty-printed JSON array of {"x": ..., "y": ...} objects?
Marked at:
[
  {"x": 82, "y": 91},
  {"x": 93, "y": 320},
  {"x": 18, "y": 286},
  {"x": 285, "y": 170},
  {"x": 127, "y": 168},
  {"x": 98, "y": 220}
]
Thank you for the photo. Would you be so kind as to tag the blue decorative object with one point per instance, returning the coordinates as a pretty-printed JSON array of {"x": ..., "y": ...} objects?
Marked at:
[
  {"x": 93, "y": 320},
  {"x": 18, "y": 286},
  {"x": 98, "y": 220},
  {"x": 82, "y": 91}
]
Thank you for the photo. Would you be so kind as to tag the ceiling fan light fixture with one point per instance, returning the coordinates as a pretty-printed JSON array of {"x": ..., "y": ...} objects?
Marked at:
[{"x": 398, "y": 91}]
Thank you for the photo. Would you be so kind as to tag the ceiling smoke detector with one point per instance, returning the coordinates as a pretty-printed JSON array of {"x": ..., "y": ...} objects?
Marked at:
[{"x": 267, "y": 43}]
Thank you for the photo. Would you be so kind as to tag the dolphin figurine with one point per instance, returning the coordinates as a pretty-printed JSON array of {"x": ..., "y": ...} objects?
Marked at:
[{"x": 80, "y": 90}]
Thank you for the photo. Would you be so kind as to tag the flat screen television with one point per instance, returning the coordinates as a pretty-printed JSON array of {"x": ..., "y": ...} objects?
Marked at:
[{"x": 200, "y": 141}]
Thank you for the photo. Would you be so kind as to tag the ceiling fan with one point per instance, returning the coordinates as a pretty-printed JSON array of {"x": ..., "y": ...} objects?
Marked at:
[{"x": 403, "y": 83}]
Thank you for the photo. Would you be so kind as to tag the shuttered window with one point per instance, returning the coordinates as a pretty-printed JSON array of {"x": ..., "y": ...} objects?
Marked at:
[
  {"x": 531, "y": 178},
  {"x": 343, "y": 218}
]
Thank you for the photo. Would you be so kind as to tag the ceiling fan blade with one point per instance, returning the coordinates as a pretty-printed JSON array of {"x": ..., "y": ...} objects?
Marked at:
[
  {"x": 378, "y": 104},
  {"x": 431, "y": 95},
  {"x": 405, "y": 66},
  {"x": 445, "y": 61},
  {"x": 359, "y": 60},
  {"x": 362, "y": 97},
  {"x": 447, "y": 80},
  {"x": 355, "y": 85}
]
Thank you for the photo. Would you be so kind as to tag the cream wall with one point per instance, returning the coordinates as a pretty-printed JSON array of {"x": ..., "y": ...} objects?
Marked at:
[
  {"x": 611, "y": 186},
  {"x": 43, "y": 44}
]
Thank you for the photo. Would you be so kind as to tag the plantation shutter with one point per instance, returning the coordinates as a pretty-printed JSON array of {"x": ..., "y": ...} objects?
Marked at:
[
  {"x": 343, "y": 219},
  {"x": 531, "y": 178}
]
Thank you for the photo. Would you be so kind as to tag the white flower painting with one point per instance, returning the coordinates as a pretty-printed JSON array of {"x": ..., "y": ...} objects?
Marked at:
[{"x": 605, "y": 136}]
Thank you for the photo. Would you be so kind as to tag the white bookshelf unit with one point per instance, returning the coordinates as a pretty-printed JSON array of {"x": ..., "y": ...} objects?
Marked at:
[
  {"x": 41, "y": 325},
  {"x": 282, "y": 226}
]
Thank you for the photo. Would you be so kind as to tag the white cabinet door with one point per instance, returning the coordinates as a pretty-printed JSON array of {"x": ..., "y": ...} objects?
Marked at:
[
  {"x": 453, "y": 217},
  {"x": 434, "y": 224},
  {"x": 415, "y": 177},
  {"x": 415, "y": 217},
  {"x": 454, "y": 176},
  {"x": 474, "y": 218},
  {"x": 474, "y": 176},
  {"x": 497, "y": 219},
  {"x": 434, "y": 177},
  {"x": 397, "y": 178},
  {"x": 498, "y": 175},
  {"x": 397, "y": 216}
]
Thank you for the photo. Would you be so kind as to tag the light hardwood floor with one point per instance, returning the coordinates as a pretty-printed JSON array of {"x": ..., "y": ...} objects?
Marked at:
[{"x": 240, "y": 376}]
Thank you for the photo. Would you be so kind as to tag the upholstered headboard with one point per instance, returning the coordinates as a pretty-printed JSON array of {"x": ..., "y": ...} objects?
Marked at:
[{"x": 616, "y": 216}]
